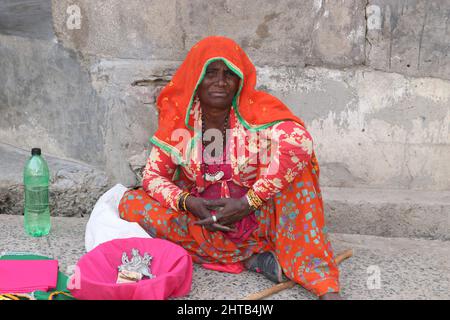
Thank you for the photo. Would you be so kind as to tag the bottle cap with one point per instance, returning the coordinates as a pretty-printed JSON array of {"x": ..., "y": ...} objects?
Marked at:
[{"x": 36, "y": 151}]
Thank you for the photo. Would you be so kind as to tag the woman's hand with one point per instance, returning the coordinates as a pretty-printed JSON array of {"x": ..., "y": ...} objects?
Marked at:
[
  {"x": 198, "y": 207},
  {"x": 228, "y": 211}
]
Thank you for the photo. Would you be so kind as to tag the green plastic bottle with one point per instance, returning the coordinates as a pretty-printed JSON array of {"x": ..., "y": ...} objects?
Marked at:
[{"x": 36, "y": 207}]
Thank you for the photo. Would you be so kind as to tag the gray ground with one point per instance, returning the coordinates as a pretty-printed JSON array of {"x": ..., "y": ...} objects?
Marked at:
[{"x": 409, "y": 268}]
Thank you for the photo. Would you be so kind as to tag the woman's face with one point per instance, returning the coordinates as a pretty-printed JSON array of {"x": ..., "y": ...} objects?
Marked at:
[{"x": 219, "y": 86}]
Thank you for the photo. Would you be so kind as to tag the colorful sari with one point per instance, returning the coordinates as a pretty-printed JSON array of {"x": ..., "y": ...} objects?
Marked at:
[{"x": 269, "y": 151}]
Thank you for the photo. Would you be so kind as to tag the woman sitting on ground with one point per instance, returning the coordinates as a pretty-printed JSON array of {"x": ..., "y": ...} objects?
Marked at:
[{"x": 248, "y": 197}]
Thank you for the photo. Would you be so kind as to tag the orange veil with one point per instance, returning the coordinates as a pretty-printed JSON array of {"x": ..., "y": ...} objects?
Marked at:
[{"x": 255, "y": 109}]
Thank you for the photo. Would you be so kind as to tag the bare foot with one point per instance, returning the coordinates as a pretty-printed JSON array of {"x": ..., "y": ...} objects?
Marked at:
[{"x": 331, "y": 296}]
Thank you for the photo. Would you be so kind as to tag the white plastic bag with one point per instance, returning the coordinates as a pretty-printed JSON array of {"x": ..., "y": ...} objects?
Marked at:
[{"x": 105, "y": 224}]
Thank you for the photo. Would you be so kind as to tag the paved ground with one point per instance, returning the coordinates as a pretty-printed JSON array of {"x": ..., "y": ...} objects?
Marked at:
[{"x": 408, "y": 268}]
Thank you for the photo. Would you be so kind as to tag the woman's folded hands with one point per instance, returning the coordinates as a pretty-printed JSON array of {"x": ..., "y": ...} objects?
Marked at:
[{"x": 220, "y": 213}]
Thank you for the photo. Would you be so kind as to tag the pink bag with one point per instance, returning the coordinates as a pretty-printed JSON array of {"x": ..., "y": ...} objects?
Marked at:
[
  {"x": 22, "y": 276},
  {"x": 98, "y": 270}
]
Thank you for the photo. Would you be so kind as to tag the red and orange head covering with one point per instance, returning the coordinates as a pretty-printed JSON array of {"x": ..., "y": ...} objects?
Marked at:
[{"x": 256, "y": 110}]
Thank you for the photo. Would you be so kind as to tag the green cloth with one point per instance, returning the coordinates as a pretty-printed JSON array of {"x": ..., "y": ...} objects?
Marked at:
[{"x": 61, "y": 284}]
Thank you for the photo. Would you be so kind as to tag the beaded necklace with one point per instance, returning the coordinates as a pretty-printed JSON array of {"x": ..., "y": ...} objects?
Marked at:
[{"x": 218, "y": 174}]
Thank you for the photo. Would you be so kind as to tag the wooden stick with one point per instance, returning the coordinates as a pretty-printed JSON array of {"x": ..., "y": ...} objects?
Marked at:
[
  {"x": 270, "y": 291},
  {"x": 289, "y": 284},
  {"x": 342, "y": 256}
]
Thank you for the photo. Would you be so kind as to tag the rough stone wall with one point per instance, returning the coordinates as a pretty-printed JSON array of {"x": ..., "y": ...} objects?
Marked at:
[
  {"x": 370, "y": 78},
  {"x": 47, "y": 99},
  {"x": 409, "y": 37}
]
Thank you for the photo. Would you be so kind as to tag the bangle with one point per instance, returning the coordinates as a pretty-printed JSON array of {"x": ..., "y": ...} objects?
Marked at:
[
  {"x": 250, "y": 203},
  {"x": 253, "y": 200},
  {"x": 184, "y": 201},
  {"x": 180, "y": 200}
]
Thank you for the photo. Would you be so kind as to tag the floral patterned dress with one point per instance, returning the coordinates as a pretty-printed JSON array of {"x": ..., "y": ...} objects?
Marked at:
[{"x": 280, "y": 166}]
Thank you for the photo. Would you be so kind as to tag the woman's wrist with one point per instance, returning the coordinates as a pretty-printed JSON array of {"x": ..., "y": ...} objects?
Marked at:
[
  {"x": 245, "y": 203},
  {"x": 188, "y": 201}
]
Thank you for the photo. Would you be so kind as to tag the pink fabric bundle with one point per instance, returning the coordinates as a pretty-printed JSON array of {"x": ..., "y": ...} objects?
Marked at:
[
  {"x": 237, "y": 267},
  {"x": 97, "y": 269},
  {"x": 23, "y": 276}
]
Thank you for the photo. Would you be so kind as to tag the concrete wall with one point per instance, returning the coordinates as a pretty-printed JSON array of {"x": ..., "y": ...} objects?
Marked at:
[
  {"x": 47, "y": 99},
  {"x": 371, "y": 78}
]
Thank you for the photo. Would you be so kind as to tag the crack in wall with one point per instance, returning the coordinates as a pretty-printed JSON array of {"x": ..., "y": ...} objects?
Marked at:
[
  {"x": 421, "y": 34},
  {"x": 366, "y": 37}
]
